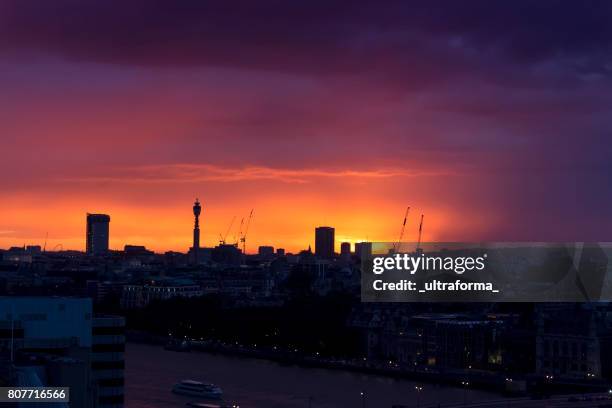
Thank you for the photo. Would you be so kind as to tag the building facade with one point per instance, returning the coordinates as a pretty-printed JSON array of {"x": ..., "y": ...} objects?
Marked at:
[
  {"x": 137, "y": 296},
  {"x": 97, "y": 235},
  {"x": 108, "y": 360},
  {"x": 363, "y": 250},
  {"x": 47, "y": 341},
  {"x": 573, "y": 341},
  {"x": 324, "y": 242}
]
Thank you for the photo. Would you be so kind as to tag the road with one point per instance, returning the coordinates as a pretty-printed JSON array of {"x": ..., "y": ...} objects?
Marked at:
[{"x": 597, "y": 400}]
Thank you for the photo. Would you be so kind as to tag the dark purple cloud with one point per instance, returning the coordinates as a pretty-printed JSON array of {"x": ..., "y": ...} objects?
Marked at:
[
  {"x": 511, "y": 97},
  {"x": 320, "y": 37}
]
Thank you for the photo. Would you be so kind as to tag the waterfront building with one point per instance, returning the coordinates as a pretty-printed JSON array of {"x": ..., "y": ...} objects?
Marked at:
[
  {"x": 47, "y": 342},
  {"x": 137, "y": 296},
  {"x": 574, "y": 341},
  {"x": 107, "y": 360}
]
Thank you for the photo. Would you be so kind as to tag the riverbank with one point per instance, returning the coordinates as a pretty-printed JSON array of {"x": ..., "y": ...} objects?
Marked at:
[
  {"x": 249, "y": 382},
  {"x": 490, "y": 381}
]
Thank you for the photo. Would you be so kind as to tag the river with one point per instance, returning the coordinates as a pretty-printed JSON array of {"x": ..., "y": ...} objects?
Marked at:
[{"x": 151, "y": 371}]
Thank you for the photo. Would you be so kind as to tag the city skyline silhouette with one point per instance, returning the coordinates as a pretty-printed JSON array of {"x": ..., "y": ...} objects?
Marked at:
[{"x": 497, "y": 134}]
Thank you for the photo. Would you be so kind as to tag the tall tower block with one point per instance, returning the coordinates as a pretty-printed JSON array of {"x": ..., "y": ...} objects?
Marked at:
[
  {"x": 324, "y": 242},
  {"x": 96, "y": 237}
]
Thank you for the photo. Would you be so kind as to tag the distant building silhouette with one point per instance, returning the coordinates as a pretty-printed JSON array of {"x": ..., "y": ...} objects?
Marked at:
[
  {"x": 345, "y": 251},
  {"x": 280, "y": 251},
  {"x": 97, "y": 234},
  {"x": 345, "y": 248},
  {"x": 34, "y": 249},
  {"x": 265, "y": 251},
  {"x": 22, "y": 254},
  {"x": 227, "y": 254},
  {"x": 136, "y": 250},
  {"x": 363, "y": 250},
  {"x": 324, "y": 242}
]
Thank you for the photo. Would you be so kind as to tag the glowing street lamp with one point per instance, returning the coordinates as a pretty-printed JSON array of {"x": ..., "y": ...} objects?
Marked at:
[
  {"x": 418, "y": 389},
  {"x": 465, "y": 384}
]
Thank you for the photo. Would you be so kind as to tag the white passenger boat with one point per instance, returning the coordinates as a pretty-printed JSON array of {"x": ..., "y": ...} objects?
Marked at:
[{"x": 197, "y": 389}]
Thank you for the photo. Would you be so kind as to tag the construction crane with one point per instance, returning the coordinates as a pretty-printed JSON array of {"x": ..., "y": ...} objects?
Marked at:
[
  {"x": 396, "y": 247},
  {"x": 238, "y": 238},
  {"x": 246, "y": 231},
  {"x": 418, "y": 247},
  {"x": 224, "y": 237}
]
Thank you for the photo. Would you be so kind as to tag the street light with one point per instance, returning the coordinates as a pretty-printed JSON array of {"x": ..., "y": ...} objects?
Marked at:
[
  {"x": 363, "y": 399},
  {"x": 465, "y": 388},
  {"x": 418, "y": 389}
]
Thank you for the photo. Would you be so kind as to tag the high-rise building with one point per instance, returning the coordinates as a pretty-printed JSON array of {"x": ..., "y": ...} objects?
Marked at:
[
  {"x": 97, "y": 234},
  {"x": 324, "y": 242},
  {"x": 107, "y": 361},
  {"x": 345, "y": 251},
  {"x": 363, "y": 250},
  {"x": 345, "y": 248},
  {"x": 53, "y": 335}
]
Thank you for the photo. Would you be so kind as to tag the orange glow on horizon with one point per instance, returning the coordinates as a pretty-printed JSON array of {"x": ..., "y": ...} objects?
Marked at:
[{"x": 281, "y": 219}]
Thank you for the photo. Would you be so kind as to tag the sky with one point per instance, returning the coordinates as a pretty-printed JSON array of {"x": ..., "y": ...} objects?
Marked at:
[{"x": 491, "y": 118}]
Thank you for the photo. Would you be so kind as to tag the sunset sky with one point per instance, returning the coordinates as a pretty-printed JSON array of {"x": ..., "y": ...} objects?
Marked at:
[{"x": 492, "y": 118}]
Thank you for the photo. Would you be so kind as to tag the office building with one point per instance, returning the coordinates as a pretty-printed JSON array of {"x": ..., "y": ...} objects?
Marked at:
[
  {"x": 108, "y": 360},
  {"x": 97, "y": 234},
  {"x": 345, "y": 248},
  {"x": 45, "y": 320},
  {"x": 345, "y": 252},
  {"x": 137, "y": 296},
  {"x": 324, "y": 242},
  {"x": 265, "y": 251},
  {"x": 363, "y": 250},
  {"x": 49, "y": 340},
  {"x": 574, "y": 341}
]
